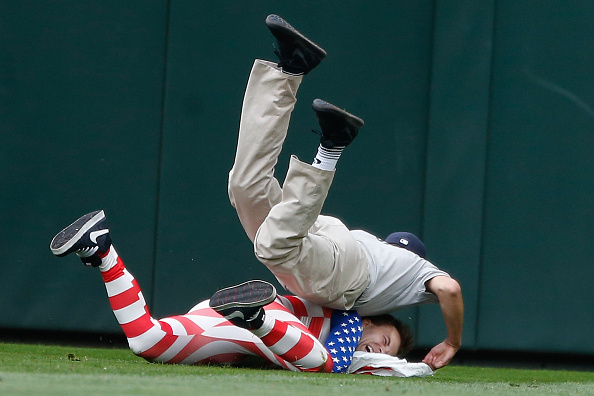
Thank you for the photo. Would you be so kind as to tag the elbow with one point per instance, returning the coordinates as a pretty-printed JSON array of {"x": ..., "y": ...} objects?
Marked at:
[{"x": 450, "y": 289}]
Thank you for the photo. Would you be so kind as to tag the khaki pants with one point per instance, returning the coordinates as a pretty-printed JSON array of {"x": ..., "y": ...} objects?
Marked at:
[{"x": 313, "y": 256}]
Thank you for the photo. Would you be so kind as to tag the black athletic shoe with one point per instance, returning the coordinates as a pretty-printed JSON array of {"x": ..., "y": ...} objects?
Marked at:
[
  {"x": 242, "y": 304},
  {"x": 339, "y": 128},
  {"x": 88, "y": 237},
  {"x": 296, "y": 53}
]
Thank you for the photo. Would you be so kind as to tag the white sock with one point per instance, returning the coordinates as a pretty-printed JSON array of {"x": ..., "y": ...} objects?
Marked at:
[
  {"x": 109, "y": 261},
  {"x": 326, "y": 158}
]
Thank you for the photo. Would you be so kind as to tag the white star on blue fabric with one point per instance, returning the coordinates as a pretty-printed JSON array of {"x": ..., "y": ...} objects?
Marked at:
[{"x": 348, "y": 338}]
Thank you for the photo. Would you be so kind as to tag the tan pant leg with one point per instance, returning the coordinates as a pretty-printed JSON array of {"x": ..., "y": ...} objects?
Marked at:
[
  {"x": 313, "y": 256},
  {"x": 269, "y": 99}
]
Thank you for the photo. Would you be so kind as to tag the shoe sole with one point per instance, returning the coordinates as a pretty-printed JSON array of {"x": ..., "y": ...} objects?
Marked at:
[
  {"x": 66, "y": 238},
  {"x": 278, "y": 24},
  {"x": 247, "y": 294},
  {"x": 322, "y": 106}
]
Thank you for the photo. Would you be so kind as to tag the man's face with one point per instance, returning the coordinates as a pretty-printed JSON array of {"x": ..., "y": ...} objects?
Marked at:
[{"x": 379, "y": 339}]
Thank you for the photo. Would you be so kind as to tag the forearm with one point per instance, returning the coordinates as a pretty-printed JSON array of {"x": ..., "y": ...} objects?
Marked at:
[
  {"x": 452, "y": 309},
  {"x": 449, "y": 293}
]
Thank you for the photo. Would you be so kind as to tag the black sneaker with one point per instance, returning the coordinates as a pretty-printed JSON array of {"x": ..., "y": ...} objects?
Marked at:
[
  {"x": 339, "y": 128},
  {"x": 242, "y": 304},
  {"x": 88, "y": 237},
  {"x": 296, "y": 53}
]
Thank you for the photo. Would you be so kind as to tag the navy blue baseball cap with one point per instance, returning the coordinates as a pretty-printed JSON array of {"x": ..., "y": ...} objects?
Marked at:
[{"x": 408, "y": 241}]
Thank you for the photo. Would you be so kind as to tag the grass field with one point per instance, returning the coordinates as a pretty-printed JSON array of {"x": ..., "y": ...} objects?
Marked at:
[{"x": 59, "y": 370}]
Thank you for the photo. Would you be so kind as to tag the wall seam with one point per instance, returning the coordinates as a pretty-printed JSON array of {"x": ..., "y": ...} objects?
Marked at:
[
  {"x": 485, "y": 175},
  {"x": 151, "y": 302},
  {"x": 427, "y": 131}
]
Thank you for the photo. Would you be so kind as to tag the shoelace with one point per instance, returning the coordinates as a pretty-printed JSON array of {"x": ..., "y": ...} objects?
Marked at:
[{"x": 283, "y": 63}]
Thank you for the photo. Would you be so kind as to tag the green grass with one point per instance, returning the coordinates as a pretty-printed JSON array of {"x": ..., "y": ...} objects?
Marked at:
[{"x": 59, "y": 370}]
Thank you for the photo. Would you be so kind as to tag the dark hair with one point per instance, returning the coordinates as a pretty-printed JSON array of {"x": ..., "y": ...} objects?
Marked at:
[{"x": 406, "y": 337}]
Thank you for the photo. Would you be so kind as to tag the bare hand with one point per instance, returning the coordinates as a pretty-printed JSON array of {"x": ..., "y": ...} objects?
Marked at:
[{"x": 440, "y": 355}]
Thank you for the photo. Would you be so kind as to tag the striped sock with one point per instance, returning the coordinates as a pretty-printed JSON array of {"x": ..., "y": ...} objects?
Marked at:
[
  {"x": 326, "y": 158},
  {"x": 109, "y": 260}
]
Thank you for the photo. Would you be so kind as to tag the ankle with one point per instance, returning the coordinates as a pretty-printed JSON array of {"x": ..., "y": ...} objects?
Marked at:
[
  {"x": 265, "y": 328},
  {"x": 109, "y": 260},
  {"x": 327, "y": 158}
]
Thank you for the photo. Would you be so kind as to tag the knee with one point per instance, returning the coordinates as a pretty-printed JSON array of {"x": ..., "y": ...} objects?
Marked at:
[
  {"x": 262, "y": 248},
  {"x": 238, "y": 189},
  {"x": 232, "y": 187},
  {"x": 273, "y": 248},
  {"x": 137, "y": 347},
  {"x": 231, "y": 195}
]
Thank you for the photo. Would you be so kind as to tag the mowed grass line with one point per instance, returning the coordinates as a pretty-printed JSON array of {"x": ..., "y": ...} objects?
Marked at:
[{"x": 58, "y": 370}]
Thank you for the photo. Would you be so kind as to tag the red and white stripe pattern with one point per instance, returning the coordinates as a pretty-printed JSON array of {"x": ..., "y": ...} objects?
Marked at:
[{"x": 202, "y": 336}]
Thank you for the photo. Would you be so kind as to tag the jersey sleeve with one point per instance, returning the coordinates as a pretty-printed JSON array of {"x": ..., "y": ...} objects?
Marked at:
[{"x": 345, "y": 333}]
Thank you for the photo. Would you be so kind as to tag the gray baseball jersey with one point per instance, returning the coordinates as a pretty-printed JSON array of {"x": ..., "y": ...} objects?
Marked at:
[{"x": 396, "y": 277}]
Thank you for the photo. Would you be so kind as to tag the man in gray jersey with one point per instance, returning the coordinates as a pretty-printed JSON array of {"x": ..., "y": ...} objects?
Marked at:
[{"x": 314, "y": 256}]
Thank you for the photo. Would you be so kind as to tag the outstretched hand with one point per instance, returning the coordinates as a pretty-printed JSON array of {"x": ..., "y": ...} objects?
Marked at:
[{"x": 440, "y": 355}]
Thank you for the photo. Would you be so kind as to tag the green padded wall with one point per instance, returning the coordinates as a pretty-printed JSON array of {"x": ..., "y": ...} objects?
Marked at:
[
  {"x": 539, "y": 216},
  {"x": 81, "y": 93},
  {"x": 457, "y": 139},
  {"x": 509, "y": 183}
]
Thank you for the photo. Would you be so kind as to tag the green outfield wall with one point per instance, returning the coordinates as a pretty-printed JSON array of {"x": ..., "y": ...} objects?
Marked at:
[{"x": 479, "y": 135}]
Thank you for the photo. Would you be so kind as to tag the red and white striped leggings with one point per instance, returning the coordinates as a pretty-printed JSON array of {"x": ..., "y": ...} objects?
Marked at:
[{"x": 202, "y": 336}]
